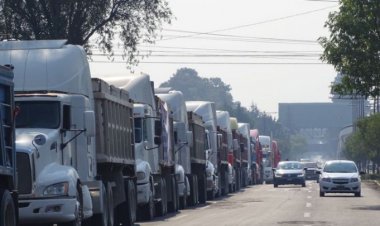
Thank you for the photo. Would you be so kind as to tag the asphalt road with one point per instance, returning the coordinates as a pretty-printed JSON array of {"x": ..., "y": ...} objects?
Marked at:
[{"x": 283, "y": 206}]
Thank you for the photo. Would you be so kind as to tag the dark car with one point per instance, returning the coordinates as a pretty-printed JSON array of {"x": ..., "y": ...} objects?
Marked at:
[
  {"x": 289, "y": 172},
  {"x": 311, "y": 170}
]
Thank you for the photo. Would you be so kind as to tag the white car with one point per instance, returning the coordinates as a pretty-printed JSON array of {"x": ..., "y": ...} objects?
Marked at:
[{"x": 340, "y": 176}]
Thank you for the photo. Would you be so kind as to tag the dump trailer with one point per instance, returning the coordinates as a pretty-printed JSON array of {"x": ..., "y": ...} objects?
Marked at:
[
  {"x": 207, "y": 111},
  {"x": 190, "y": 161},
  {"x": 235, "y": 156},
  {"x": 8, "y": 179},
  {"x": 226, "y": 150},
  {"x": 245, "y": 147},
  {"x": 156, "y": 176},
  {"x": 74, "y": 138},
  {"x": 198, "y": 158}
]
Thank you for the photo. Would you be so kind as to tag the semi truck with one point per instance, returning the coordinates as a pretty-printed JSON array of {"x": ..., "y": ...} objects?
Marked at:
[
  {"x": 8, "y": 159},
  {"x": 235, "y": 156},
  {"x": 276, "y": 154},
  {"x": 190, "y": 161},
  {"x": 266, "y": 145},
  {"x": 207, "y": 111},
  {"x": 245, "y": 146},
  {"x": 226, "y": 149},
  {"x": 257, "y": 157},
  {"x": 157, "y": 191},
  {"x": 74, "y": 138}
]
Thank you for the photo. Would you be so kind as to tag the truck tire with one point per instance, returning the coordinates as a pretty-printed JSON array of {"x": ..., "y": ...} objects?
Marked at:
[
  {"x": 192, "y": 199},
  {"x": 183, "y": 200},
  {"x": 202, "y": 191},
  {"x": 126, "y": 211},
  {"x": 162, "y": 206},
  {"x": 110, "y": 209},
  {"x": 148, "y": 209},
  {"x": 78, "y": 211},
  {"x": 173, "y": 206},
  {"x": 7, "y": 209}
]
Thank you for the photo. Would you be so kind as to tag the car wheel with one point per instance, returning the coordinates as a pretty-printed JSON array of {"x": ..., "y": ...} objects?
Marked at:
[
  {"x": 357, "y": 194},
  {"x": 303, "y": 184},
  {"x": 275, "y": 185},
  {"x": 321, "y": 194}
]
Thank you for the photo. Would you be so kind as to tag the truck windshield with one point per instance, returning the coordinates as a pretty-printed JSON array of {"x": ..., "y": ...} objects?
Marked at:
[{"x": 38, "y": 114}]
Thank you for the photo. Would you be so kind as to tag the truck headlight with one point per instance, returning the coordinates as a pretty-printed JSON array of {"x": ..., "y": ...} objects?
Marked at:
[
  {"x": 59, "y": 189},
  {"x": 278, "y": 175},
  {"x": 140, "y": 175}
]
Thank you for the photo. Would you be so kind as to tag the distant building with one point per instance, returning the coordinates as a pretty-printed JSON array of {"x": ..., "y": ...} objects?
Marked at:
[{"x": 319, "y": 123}]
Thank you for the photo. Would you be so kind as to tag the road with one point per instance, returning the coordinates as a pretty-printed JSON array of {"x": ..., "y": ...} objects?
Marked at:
[{"x": 283, "y": 206}]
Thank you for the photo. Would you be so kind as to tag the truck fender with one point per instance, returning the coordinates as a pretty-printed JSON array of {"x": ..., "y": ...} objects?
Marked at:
[
  {"x": 180, "y": 178},
  {"x": 55, "y": 173}
]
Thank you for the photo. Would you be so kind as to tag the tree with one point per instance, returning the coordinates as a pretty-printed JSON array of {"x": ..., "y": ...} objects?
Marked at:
[
  {"x": 131, "y": 21},
  {"x": 194, "y": 87},
  {"x": 354, "y": 47}
]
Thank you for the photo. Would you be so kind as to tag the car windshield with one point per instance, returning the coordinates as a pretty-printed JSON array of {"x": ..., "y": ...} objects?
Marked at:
[
  {"x": 38, "y": 114},
  {"x": 289, "y": 165},
  {"x": 340, "y": 167}
]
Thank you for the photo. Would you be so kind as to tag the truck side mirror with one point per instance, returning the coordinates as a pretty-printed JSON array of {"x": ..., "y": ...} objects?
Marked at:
[
  {"x": 189, "y": 135},
  {"x": 219, "y": 139},
  {"x": 242, "y": 147},
  {"x": 235, "y": 144},
  {"x": 89, "y": 123},
  {"x": 157, "y": 127},
  {"x": 157, "y": 140}
]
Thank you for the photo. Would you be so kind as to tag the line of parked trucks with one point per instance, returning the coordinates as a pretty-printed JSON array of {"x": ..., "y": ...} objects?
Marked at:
[{"x": 80, "y": 148}]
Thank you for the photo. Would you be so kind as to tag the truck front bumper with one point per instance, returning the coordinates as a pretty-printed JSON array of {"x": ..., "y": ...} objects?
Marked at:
[
  {"x": 143, "y": 193},
  {"x": 47, "y": 210}
]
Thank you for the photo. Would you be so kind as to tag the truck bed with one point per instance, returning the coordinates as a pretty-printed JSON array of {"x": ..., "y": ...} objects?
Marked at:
[{"x": 114, "y": 124}]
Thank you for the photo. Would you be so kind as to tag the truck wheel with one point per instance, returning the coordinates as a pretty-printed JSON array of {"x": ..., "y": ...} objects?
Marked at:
[
  {"x": 162, "y": 206},
  {"x": 7, "y": 209},
  {"x": 110, "y": 209},
  {"x": 173, "y": 207},
  {"x": 149, "y": 208},
  {"x": 202, "y": 189},
  {"x": 126, "y": 211},
  {"x": 183, "y": 200},
  {"x": 196, "y": 190},
  {"x": 78, "y": 210}
]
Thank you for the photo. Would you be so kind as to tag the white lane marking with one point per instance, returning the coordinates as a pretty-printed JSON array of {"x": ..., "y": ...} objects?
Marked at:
[
  {"x": 308, "y": 204},
  {"x": 306, "y": 214},
  {"x": 309, "y": 197},
  {"x": 309, "y": 191}
]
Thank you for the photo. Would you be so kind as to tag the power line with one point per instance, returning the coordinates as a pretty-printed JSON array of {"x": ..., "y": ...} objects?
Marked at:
[
  {"x": 215, "y": 63},
  {"x": 253, "y": 24}
]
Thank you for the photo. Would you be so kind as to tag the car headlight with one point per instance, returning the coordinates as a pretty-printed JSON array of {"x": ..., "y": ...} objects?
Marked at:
[
  {"x": 140, "y": 175},
  {"x": 301, "y": 175},
  {"x": 59, "y": 189},
  {"x": 326, "y": 179},
  {"x": 278, "y": 175},
  {"x": 354, "y": 179},
  {"x": 209, "y": 174}
]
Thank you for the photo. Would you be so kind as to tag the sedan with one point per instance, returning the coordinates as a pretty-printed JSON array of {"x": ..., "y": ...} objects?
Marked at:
[
  {"x": 289, "y": 172},
  {"x": 340, "y": 176}
]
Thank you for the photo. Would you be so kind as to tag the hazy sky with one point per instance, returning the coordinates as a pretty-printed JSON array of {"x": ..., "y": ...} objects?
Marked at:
[{"x": 258, "y": 47}]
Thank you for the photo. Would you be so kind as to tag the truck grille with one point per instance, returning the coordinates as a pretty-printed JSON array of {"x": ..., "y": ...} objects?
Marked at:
[{"x": 24, "y": 173}]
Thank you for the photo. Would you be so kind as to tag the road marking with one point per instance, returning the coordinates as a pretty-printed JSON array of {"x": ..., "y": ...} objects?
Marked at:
[
  {"x": 309, "y": 191},
  {"x": 309, "y": 197},
  {"x": 306, "y": 214},
  {"x": 308, "y": 204}
]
